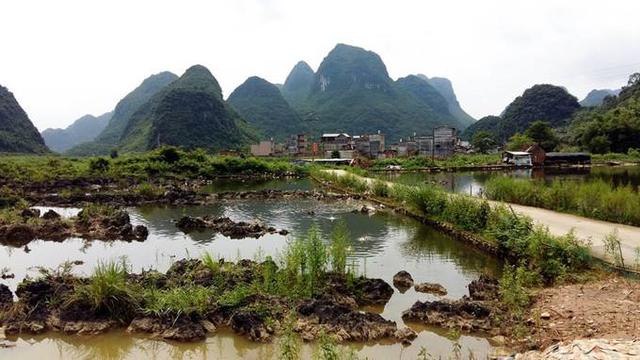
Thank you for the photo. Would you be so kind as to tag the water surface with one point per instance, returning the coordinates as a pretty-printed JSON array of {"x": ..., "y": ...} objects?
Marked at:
[{"x": 382, "y": 244}]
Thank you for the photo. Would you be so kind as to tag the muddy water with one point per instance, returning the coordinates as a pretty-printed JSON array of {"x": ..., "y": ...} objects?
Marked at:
[
  {"x": 472, "y": 182},
  {"x": 382, "y": 245}
]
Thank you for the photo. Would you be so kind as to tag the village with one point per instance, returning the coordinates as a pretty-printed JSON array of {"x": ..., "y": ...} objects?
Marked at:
[{"x": 443, "y": 142}]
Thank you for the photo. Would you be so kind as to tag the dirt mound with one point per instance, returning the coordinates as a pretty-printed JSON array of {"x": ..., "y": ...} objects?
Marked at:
[
  {"x": 601, "y": 309},
  {"x": 226, "y": 227}
]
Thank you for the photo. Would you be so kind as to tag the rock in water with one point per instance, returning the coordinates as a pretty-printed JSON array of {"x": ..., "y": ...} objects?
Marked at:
[
  {"x": 431, "y": 288},
  {"x": 402, "y": 280}
]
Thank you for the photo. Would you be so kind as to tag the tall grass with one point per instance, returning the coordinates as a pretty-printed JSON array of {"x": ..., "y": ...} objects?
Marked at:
[
  {"x": 552, "y": 257},
  {"x": 175, "y": 302},
  {"x": 595, "y": 199},
  {"x": 108, "y": 291},
  {"x": 339, "y": 247}
]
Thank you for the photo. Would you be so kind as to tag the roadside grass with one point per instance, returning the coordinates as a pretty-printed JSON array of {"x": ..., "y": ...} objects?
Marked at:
[
  {"x": 551, "y": 258},
  {"x": 594, "y": 199}
]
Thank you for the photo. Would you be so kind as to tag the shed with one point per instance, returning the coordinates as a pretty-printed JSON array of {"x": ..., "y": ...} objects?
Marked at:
[
  {"x": 537, "y": 154},
  {"x": 517, "y": 158},
  {"x": 558, "y": 158}
]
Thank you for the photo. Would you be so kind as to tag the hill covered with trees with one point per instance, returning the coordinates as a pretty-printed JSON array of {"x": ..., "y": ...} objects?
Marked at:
[
  {"x": 612, "y": 127},
  {"x": 262, "y": 105},
  {"x": 109, "y": 138},
  {"x": 17, "y": 133},
  {"x": 548, "y": 103},
  {"x": 190, "y": 112}
]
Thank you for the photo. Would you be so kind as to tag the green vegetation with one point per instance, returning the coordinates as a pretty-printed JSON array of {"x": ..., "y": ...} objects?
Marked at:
[
  {"x": 175, "y": 302},
  {"x": 612, "y": 127},
  {"x": 360, "y": 97},
  {"x": 423, "y": 162},
  {"x": 298, "y": 84},
  {"x": 519, "y": 142},
  {"x": 552, "y": 258},
  {"x": 108, "y": 291},
  {"x": 17, "y": 133},
  {"x": 262, "y": 105},
  {"x": 632, "y": 156},
  {"x": 549, "y": 103},
  {"x": 110, "y": 136},
  {"x": 483, "y": 141},
  {"x": 165, "y": 162},
  {"x": 189, "y": 112},
  {"x": 542, "y": 134},
  {"x": 594, "y": 199}
]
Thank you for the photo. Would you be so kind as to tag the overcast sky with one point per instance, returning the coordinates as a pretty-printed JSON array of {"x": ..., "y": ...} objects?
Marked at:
[{"x": 63, "y": 59}]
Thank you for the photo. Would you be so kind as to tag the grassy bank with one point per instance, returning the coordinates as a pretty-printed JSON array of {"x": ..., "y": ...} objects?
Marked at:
[
  {"x": 455, "y": 161},
  {"x": 632, "y": 156},
  {"x": 549, "y": 258},
  {"x": 594, "y": 199},
  {"x": 166, "y": 162}
]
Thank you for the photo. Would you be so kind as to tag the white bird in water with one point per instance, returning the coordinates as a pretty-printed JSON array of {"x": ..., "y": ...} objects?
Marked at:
[{"x": 363, "y": 238}]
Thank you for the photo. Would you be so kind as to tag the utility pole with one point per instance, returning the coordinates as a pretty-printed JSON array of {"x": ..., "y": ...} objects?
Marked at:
[{"x": 433, "y": 143}]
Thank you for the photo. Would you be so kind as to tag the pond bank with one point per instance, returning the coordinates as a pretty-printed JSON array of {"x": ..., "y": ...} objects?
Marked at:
[{"x": 591, "y": 231}]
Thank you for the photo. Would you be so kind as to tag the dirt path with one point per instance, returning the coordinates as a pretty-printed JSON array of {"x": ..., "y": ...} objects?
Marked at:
[{"x": 560, "y": 224}]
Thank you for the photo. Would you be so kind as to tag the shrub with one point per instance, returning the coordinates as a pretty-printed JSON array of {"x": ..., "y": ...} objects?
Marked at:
[{"x": 99, "y": 165}]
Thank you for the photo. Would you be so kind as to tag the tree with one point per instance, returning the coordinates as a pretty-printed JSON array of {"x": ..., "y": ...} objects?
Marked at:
[
  {"x": 634, "y": 79},
  {"x": 483, "y": 141},
  {"x": 519, "y": 142},
  {"x": 542, "y": 134}
]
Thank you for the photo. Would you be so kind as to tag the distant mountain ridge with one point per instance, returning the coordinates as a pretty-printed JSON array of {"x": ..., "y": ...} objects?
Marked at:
[
  {"x": 595, "y": 97},
  {"x": 82, "y": 130},
  {"x": 17, "y": 133},
  {"x": 351, "y": 91},
  {"x": 190, "y": 112},
  {"x": 445, "y": 88},
  {"x": 263, "y": 106},
  {"x": 544, "y": 102},
  {"x": 109, "y": 138},
  {"x": 298, "y": 84}
]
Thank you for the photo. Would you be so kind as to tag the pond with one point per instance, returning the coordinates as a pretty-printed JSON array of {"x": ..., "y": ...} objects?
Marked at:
[
  {"x": 382, "y": 244},
  {"x": 472, "y": 182}
]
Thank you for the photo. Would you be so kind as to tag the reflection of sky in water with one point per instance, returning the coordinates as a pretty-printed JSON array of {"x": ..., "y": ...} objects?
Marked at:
[{"x": 382, "y": 243}]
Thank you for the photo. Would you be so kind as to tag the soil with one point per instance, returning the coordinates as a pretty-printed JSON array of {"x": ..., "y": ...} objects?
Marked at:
[
  {"x": 431, "y": 288},
  {"x": 51, "y": 226},
  {"x": 227, "y": 227},
  {"x": 50, "y": 303},
  {"x": 402, "y": 280},
  {"x": 608, "y": 309}
]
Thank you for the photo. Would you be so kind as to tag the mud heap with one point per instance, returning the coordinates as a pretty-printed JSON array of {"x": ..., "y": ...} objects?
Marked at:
[
  {"x": 470, "y": 314},
  {"x": 104, "y": 223},
  {"x": 223, "y": 294},
  {"x": 227, "y": 227}
]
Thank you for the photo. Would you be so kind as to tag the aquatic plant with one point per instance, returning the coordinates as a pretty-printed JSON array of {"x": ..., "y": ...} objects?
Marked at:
[
  {"x": 289, "y": 344},
  {"x": 380, "y": 189},
  {"x": 339, "y": 247},
  {"x": 316, "y": 259}
]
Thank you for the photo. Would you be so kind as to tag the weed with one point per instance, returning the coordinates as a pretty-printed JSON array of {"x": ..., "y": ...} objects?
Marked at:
[
  {"x": 175, "y": 302},
  {"x": 339, "y": 248},
  {"x": 108, "y": 291}
]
